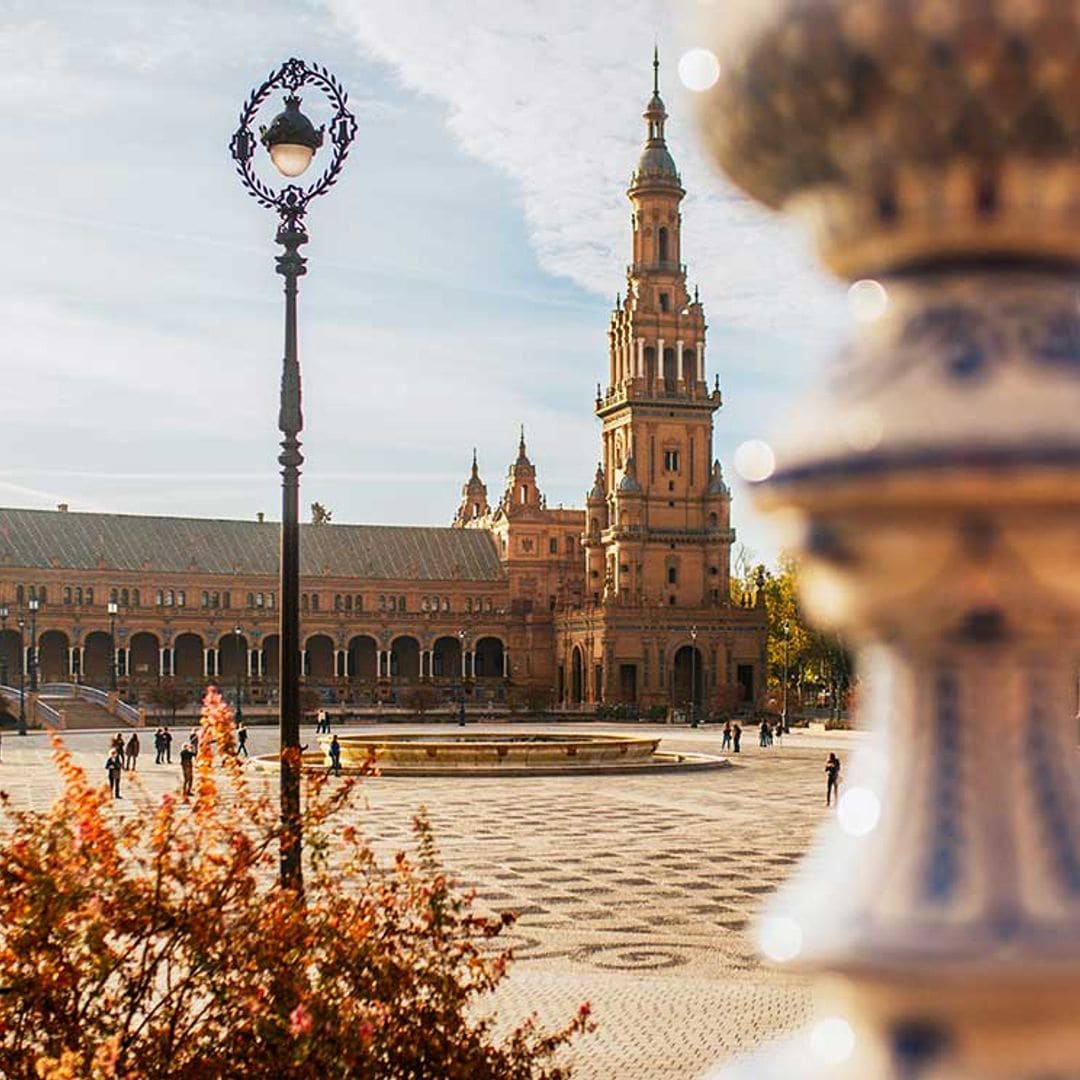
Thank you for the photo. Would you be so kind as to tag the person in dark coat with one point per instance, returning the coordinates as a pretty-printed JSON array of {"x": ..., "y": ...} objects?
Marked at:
[
  {"x": 166, "y": 736},
  {"x": 335, "y": 755},
  {"x": 736, "y": 738},
  {"x": 832, "y": 782},
  {"x": 726, "y": 744},
  {"x": 132, "y": 752},
  {"x": 114, "y": 766},
  {"x": 241, "y": 741},
  {"x": 187, "y": 767}
]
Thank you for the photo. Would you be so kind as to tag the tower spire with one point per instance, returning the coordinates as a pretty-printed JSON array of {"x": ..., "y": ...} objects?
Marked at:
[{"x": 656, "y": 68}]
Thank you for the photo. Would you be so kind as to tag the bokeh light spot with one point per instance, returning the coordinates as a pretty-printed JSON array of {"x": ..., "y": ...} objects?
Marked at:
[
  {"x": 755, "y": 461},
  {"x": 832, "y": 1041},
  {"x": 858, "y": 811},
  {"x": 868, "y": 300},
  {"x": 780, "y": 938},
  {"x": 698, "y": 69}
]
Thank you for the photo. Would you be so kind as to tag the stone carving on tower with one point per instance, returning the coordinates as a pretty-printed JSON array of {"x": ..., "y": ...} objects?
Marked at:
[{"x": 935, "y": 150}]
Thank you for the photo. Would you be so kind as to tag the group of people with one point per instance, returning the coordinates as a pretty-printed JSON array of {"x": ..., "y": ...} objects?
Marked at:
[{"x": 768, "y": 732}]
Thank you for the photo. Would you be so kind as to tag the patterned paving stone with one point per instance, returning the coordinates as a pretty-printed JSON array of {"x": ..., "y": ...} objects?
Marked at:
[{"x": 633, "y": 892}]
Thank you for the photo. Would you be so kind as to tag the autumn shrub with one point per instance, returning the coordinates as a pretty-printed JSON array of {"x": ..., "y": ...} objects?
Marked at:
[{"x": 159, "y": 944}]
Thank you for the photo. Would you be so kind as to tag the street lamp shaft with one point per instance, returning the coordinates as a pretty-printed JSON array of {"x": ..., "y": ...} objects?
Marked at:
[{"x": 290, "y": 421}]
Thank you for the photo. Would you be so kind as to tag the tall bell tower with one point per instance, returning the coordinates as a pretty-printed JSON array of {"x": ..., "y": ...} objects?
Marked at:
[{"x": 660, "y": 535}]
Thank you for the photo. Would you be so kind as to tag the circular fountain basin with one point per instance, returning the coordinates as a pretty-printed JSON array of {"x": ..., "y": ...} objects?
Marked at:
[{"x": 504, "y": 754}]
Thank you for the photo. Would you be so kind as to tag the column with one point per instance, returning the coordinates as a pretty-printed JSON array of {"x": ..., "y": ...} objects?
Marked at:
[
  {"x": 701, "y": 361},
  {"x": 163, "y": 662},
  {"x": 73, "y": 662},
  {"x": 378, "y": 663},
  {"x": 121, "y": 661},
  {"x": 506, "y": 663},
  {"x": 26, "y": 661},
  {"x": 464, "y": 663},
  {"x": 641, "y": 358},
  {"x": 679, "y": 360}
]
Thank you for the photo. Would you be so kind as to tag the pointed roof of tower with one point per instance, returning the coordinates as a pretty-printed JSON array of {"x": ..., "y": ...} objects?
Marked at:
[
  {"x": 523, "y": 457},
  {"x": 474, "y": 483},
  {"x": 598, "y": 493},
  {"x": 716, "y": 482},
  {"x": 656, "y": 167}
]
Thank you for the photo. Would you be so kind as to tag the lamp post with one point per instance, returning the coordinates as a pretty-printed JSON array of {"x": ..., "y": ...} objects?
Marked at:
[
  {"x": 33, "y": 605},
  {"x": 21, "y": 729},
  {"x": 113, "y": 609},
  {"x": 693, "y": 677},
  {"x": 3, "y": 629},
  {"x": 783, "y": 690},
  {"x": 462, "y": 636},
  {"x": 291, "y": 140},
  {"x": 238, "y": 631}
]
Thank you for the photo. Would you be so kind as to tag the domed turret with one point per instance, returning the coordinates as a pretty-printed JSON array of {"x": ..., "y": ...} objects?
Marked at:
[
  {"x": 655, "y": 167},
  {"x": 598, "y": 494}
]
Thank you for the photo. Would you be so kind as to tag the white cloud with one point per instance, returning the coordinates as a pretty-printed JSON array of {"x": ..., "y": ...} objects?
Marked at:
[{"x": 551, "y": 94}]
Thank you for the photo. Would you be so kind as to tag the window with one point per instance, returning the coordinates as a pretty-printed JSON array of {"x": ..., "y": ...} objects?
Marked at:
[
  {"x": 671, "y": 600},
  {"x": 487, "y": 603},
  {"x": 205, "y": 601},
  {"x": 662, "y": 246},
  {"x": 225, "y": 599},
  {"x": 90, "y": 596},
  {"x": 270, "y": 601},
  {"x": 314, "y": 601},
  {"x": 260, "y": 600},
  {"x": 569, "y": 545},
  {"x": 382, "y": 603},
  {"x": 468, "y": 603},
  {"x": 423, "y": 603},
  {"x": 181, "y": 598},
  {"x": 358, "y": 603},
  {"x": 215, "y": 600},
  {"x": 19, "y": 594},
  {"x": 304, "y": 603},
  {"x": 446, "y": 603},
  {"x": 337, "y": 602},
  {"x": 401, "y": 603},
  {"x": 114, "y": 596},
  {"x": 393, "y": 603},
  {"x": 170, "y": 598},
  {"x": 553, "y": 546},
  {"x": 671, "y": 461},
  {"x": 250, "y": 600},
  {"x": 135, "y": 601},
  {"x": 665, "y": 304},
  {"x": 713, "y": 571},
  {"x": 524, "y": 493},
  {"x": 672, "y": 575},
  {"x": 348, "y": 603},
  {"x": 124, "y": 597},
  {"x": 41, "y": 594},
  {"x": 67, "y": 594},
  {"x": 160, "y": 598}
]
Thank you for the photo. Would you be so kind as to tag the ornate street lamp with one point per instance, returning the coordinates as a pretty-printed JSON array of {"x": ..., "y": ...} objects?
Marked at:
[
  {"x": 3, "y": 628},
  {"x": 462, "y": 637},
  {"x": 21, "y": 729},
  {"x": 238, "y": 631},
  {"x": 693, "y": 677},
  {"x": 783, "y": 691},
  {"x": 33, "y": 605},
  {"x": 291, "y": 140},
  {"x": 113, "y": 609}
]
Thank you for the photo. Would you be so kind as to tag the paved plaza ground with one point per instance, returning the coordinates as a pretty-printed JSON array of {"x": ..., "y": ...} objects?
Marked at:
[{"x": 633, "y": 892}]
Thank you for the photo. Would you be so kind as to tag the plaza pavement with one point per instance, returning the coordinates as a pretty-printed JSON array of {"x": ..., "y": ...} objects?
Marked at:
[{"x": 634, "y": 893}]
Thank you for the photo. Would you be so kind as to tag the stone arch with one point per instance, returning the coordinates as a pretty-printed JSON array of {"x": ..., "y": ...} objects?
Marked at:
[
  {"x": 143, "y": 659},
  {"x": 10, "y": 656},
  {"x": 488, "y": 658},
  {"x": 52, "y": 657},
  {"x": 271, "y": 658},
  {"x": 446, "y": 658},
  {"x": 97, "y": 659},
  {"x": 405, "y": 659},
  {"x": 188, "y": 656},
  {"x": 577, "y": 676},
  {"x": 687, "y": 676},
  {"x": 363, "y": 651},
  {"x": 319, "y": 650},
  {"x": 232, "y": 657}
]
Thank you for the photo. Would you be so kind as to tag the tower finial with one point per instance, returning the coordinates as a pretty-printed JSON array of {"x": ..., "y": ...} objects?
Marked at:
[
  {"x": 521, "y": 441},
  {"x": 474, "y": 466},
  {"x": 656, "y": 68}
]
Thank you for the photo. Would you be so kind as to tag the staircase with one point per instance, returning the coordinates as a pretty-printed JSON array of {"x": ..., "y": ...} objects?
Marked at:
[{"x": 80, "y": 714}]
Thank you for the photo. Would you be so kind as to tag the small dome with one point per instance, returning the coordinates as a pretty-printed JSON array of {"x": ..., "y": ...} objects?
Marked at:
[
  {"x": 716, "y": 483},
  {"x": 656, "y": 163},
  {"x": 597, "y": 494},
  {"x": 629, "y": 483}
]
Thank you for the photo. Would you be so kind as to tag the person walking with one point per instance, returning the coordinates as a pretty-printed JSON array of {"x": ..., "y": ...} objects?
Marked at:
[
  {"x": 335, "y": 755},
  {"x": 832, "y": 783},
  {"x": 763, "y": 733},
  {"x": 241, "y": 740},
  {"x": 131, "y": 759},
  {"x": 726, "y": 744},
  {"x": 159, "y": 746},
  {"x": 118, "y": 746},
  {"x": 736, "y": 739},
  {"x": 166, "y": 738},
  {"x": 187, "y": 767},
  {"x": 114, "y": 765}
]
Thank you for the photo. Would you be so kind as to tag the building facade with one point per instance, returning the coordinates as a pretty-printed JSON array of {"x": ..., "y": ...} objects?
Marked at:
[{"x": 626, "y": 601}]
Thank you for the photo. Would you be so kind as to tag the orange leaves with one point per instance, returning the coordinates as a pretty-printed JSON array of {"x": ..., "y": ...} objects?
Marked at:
[{"x": 160, "y": 945}]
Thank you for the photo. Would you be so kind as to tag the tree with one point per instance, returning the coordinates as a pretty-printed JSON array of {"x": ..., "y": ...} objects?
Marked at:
[
  {"x": 420, "y": 699},
  {"x": 320, "y": 515},
  {"x": 169, "y": 695},
  {"x": 310, "y": 700},
  {"x": 160, "y": 945}
]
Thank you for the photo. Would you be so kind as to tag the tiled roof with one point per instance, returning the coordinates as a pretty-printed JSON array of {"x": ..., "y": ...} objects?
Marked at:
[{"x": 76, "y": 541}]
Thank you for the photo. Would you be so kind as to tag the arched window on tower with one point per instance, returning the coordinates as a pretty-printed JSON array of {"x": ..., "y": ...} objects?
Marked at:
[
  {"x": 670, "y": 370},
  {"x": 662, "y": 245},
  {"x": 689, "y": 365},
  {"x": 650, "y": 363}
]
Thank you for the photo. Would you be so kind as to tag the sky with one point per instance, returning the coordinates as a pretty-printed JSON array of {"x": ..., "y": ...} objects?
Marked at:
[{"x": 460, "y": 276}]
